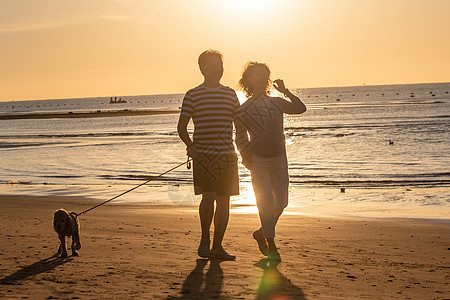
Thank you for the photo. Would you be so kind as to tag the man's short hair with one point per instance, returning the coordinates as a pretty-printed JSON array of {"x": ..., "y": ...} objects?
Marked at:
[{"x": 207, "y": 53}]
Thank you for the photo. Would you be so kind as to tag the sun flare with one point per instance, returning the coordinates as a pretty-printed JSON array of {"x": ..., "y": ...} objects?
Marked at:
[{"x": 249, "y": 6}]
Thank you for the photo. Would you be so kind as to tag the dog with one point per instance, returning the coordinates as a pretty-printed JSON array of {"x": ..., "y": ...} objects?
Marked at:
[{"x": 66, "y": 224}]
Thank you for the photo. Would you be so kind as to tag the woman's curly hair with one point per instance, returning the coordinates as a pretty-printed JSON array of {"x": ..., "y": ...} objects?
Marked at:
[{"x": 248, "y": 69}]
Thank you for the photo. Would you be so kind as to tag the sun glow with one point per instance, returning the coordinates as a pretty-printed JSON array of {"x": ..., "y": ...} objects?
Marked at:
[
  {"x": 241, "y": 96},
  {"x": 246, "y": 202},
  {"x": 307, "y": 43},
  {"x": 250, "y": 6}
]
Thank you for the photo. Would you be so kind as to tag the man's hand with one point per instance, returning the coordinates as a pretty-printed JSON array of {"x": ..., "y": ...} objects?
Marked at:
[
  {"x": 247, "y": 160},
  {"x": 191, "y": 150},
  {"x": 279, "y": 85}
]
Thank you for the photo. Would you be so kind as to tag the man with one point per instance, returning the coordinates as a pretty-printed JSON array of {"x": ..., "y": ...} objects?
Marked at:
[{"x": 213, "y": 108}]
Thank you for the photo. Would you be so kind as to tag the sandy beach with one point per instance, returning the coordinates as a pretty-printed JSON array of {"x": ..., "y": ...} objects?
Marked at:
[{"x": 149, "y": 252}]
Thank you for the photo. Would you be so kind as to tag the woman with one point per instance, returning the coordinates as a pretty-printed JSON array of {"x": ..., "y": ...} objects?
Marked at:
[{"x": 265, "y": 153}]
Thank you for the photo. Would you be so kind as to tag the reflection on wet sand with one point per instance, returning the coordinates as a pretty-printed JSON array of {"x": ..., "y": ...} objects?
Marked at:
[{"x": 275, "y": 285}]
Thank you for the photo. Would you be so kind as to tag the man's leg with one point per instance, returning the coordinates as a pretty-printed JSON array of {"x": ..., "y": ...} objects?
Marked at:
[
  {"x": 221, "y": 219},
  {"x": 206, "y": 212}
]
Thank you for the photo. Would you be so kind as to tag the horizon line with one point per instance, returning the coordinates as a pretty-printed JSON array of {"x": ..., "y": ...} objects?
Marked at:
[{"x": 181, "y": 93}]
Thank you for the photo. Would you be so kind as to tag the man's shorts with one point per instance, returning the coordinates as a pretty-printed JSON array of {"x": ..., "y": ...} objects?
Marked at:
[{"x": 216, "y": 173}]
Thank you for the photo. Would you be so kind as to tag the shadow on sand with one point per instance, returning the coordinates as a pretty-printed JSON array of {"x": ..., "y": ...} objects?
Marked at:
[
  {"x": 41, "y": 266},
  {"x": 275, "y": 285},
  {"x": 203, "y": 286}
]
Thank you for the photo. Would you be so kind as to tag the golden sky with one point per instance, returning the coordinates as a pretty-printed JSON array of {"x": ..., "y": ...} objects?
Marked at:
[{"x": 83, "y": 48}]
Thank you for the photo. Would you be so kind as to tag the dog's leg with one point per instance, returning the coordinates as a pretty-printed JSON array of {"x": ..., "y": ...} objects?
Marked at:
[
  {"x": 59, "y": 249},
  {"x": 76, "y": 238},
  {"x": 62, "y": 239},
  {"x": 74, "y": 251}
]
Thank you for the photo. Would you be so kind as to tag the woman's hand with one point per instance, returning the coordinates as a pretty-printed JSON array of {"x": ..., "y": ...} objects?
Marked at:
[
  {"x": 279, "y": 85},
  {"x": 296, "y": 106}
]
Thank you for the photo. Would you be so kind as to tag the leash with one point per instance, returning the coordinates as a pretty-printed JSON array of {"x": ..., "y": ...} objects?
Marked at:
[{"x": 187, "y": 162}]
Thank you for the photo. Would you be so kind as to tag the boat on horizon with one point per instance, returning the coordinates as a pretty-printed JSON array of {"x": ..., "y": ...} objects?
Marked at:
[{"x": 115, "y": 100}]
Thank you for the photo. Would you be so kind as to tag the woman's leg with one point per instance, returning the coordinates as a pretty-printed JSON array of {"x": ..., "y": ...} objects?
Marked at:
[
  {"x": 280, "y": 185},
  {"x": 263, "y": 193},
  {"x": 280, "y": 191}
]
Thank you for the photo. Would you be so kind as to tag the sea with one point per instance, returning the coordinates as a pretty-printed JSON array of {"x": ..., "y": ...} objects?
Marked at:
[{"x": 353, "y": 138}]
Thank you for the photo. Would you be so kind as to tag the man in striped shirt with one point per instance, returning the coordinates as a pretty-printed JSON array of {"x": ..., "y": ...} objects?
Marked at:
[{"x": 212, "y": 108}]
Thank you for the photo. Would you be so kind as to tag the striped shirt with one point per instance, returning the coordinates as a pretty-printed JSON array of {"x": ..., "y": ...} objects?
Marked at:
[{"x": 213, "y": 111}]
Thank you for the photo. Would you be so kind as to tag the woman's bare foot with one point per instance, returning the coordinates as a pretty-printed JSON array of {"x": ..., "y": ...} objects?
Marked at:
[
  {"x": 273, "y": 250},
  {"x": 259, "y": 237},
  {"x": 274, "y": 255}
]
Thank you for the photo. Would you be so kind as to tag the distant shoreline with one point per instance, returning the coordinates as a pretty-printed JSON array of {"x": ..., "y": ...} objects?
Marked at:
[
  {"x": 92, "y": 114},
  {"x": 369, "y": 85}
]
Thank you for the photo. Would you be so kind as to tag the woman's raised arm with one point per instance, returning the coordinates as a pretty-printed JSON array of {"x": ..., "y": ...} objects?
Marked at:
[{"x": 296, "y": 106}]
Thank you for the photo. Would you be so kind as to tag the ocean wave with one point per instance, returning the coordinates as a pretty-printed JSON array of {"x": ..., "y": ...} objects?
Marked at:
[
  {"x": 15, "y": 145},
  {"x": 331, "y": 164},
  {"x": 310, "y": 180},
  {"x": 373, "y": 183},
  {"x": 437, "y": 117},
  {"x": 63, "y": 176},
  {"x": 397, "y": 102},
  {"x": 305, "y": 181},
  {"x": 144, "y": 178},
  {"x": 417, "y": 176},
  {"x": 90, "y": 135},
  {"x": 409, "y": 125},
  {"x": 296, "y": 134}
]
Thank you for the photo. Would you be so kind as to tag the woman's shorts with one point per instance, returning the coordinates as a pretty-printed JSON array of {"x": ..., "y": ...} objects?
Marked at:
[{"x": 216, "y": 173}]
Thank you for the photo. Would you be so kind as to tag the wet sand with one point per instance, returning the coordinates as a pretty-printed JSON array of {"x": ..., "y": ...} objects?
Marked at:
[
  {"x": 91, "y": 114},
  {"x": 149, "y": 251}
]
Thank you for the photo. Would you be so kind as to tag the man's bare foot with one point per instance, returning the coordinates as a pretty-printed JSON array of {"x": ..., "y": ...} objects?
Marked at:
[
  {"x": 220, "y": 253},
  {"x": 203, "y": 249}
]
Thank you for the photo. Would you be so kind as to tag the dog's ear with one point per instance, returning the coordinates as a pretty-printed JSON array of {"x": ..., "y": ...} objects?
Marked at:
[
  {"x": 61, "y": 213},
  {"x": 61, "y": 220},
  {"x": 66, "y": 214}
]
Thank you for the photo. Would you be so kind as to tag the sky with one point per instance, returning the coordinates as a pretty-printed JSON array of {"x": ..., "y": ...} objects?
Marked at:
[{"x": 52, "y": 49}]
